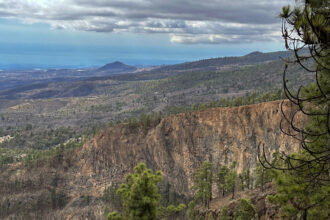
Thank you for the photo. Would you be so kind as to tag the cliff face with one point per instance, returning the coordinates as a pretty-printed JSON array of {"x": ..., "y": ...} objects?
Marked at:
[{"x": 177, "y": 146}]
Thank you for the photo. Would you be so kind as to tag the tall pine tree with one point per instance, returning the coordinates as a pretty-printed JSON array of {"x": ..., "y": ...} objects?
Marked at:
[
  {"x": 302, "y": 179},
  {"x": 141, "y": 198},
  {"x": 202, "y": 187}
]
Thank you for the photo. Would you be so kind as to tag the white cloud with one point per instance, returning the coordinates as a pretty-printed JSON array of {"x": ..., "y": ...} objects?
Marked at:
[{"x": 186, "y": 21}]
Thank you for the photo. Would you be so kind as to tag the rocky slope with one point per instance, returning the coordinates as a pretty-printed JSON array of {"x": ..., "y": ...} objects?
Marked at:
[
  {"x": 264, "y": 209},
  {"x": 70, "y": 185}
]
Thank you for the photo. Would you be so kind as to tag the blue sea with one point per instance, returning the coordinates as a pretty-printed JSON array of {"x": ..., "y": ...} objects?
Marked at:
[
  {"x": 24, "y": 46},
  {"x": 45, "y": 56},
  {"x": 31, "y": 57}
]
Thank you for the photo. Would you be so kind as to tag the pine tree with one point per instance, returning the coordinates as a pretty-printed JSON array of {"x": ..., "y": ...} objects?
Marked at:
[
  {"x": 245, "y": 180},
  {"x": 141, "y": 198},
  {"x": 302, "y": 180},
  {"x": 202, "y": 187},
  {"x": 297, "y": 199},
  {"x": 230, "y": 180},
  {"x": 224, "y": 214},
  {"x": 245, "y": 210},
  {"x": 224, "y": 170},
  {"x": 203, "y": 183},
  {"x": 241, "y": 181},
  {"x": 263, "y": 176}
]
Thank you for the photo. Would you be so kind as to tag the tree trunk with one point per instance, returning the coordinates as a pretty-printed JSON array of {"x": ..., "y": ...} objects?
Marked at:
[
  {"x": 233, "y": 190},
  {"x": 262, "y": 180},
  {"x": 305, "y": 214}
]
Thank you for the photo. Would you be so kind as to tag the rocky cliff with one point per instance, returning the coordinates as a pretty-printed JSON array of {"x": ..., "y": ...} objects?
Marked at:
[{"x": 177, "y": 146}]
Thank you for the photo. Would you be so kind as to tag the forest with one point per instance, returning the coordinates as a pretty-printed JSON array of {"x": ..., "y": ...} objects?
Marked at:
[{"x": 231, "y": 138}]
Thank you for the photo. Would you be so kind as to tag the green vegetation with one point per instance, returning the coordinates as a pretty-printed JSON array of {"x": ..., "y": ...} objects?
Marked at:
[
  {"x": 140, "y": 105},
  {"x": 263, "y": 176},
  {"x": 224, "y": 214},
  {"x": 202, "y": 187},
  {"x": 26, "y": 138},
  {"x": 112, "y": 198},
  {"x": 28, "y": 156},
  {"x": 245, "y": 210},
  {"x": 224, "y": 170},
  {"x": 227, "y": 178},
  {"x": 264, "y": 76},
  {"x": 147, "y": 121},
  {"x": 152, "y": 119},
  {"x": 299, "y": 200},
  {"x": 44, "y": 123},
  {"x": 302, "y": 178},
  {"x": 245, "y": 179},
  {"x": 31, "y": 142},
  {"x": 248, "y": 99},
  {"x": 230, "y": 180},
  {"x": 35, "y": 206},
  {"x": 141, "y": 198}
]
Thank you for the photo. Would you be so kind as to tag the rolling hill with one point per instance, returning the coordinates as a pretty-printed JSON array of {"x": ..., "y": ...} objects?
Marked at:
[
  {"x": 117, "y": 67},
  {"x": 83, "y": 104},
  {"x": 255, "y": 71}
]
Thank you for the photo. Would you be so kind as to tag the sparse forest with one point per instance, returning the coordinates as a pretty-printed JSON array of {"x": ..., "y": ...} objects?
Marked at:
[{"x": 231, "y": 138}]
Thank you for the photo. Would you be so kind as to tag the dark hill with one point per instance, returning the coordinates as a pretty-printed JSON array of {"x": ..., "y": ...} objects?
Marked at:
[
  {"x": 255, "y": 71},
  {"x": 117, "y": 67},
  {"x": 213, "y": 64}
]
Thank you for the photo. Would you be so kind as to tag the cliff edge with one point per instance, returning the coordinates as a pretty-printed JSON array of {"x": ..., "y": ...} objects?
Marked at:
[{"x": 176, "y": 146}]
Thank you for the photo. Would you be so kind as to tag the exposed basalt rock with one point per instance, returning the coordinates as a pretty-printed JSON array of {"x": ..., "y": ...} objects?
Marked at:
[{"x": 177, "y": 146}]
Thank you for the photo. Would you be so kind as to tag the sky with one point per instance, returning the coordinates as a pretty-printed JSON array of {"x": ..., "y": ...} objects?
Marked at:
[{"x": 90, "y": 33}]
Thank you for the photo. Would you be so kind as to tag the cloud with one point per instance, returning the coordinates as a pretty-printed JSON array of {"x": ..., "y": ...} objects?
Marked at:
[{"x": 186, "y": 21}]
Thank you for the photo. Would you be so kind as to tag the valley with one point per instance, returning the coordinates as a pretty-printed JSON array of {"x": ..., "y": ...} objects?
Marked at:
[
  {"x": 164, "y": 110},
  {"x": 83, "y": 105},
  {"x": 69, "y": 137},
  {"x": 176, "y": 145}
]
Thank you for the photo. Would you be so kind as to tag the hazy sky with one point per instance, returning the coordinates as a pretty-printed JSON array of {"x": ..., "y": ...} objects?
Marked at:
[{"x": 94, "y": 32}]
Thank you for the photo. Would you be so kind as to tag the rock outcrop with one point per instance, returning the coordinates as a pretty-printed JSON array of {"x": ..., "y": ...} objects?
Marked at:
[{"x": 176, "y": 146}]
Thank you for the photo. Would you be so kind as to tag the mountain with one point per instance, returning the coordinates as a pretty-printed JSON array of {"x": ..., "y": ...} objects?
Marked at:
[
  {"x": 117, "y": 67},
  {"x": 79, "y": 107},
  {"x": 255, "y": 71},
  {"x": 216, "y": 63},
  {"x": 12, "y": 79},
  {"x": 71, "y": 184}
]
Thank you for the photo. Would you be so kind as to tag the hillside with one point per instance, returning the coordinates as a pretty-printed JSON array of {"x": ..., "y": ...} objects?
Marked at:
[
  {"x": 263, "y": 76},
  {"x": 44, "y": 115},
  {"x": 264, "y": 209},
  {"x": 213, "y": 64},
  {"x": 71, "y": 184},
  {"x": 86, "y": 82},
  {"x": 226, "y": 62},
  {"x": 13, "y": 80},
  {"x": 117, "y": 67}
]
